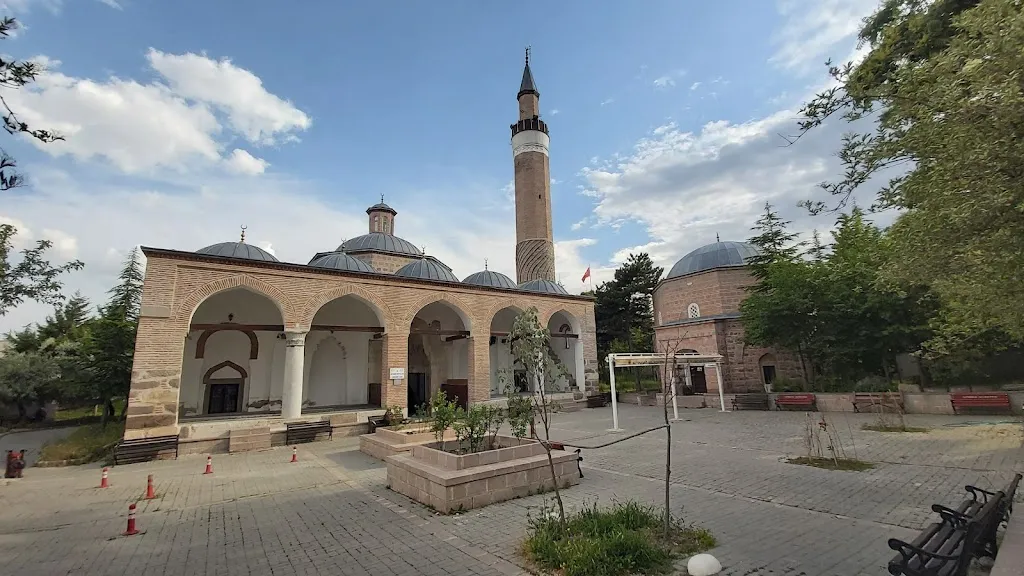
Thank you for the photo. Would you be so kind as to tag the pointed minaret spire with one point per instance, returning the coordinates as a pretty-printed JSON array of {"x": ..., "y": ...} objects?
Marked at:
[
  {"x": 243, "y": 234},
  {"x": 527, "y": 86}
]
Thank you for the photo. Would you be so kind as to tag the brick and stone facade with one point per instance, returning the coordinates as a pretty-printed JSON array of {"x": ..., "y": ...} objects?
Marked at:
[{"x": 715, "y": 295}]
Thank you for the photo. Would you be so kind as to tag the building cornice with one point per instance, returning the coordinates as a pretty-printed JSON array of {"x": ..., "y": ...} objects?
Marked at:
[{"x": 180, "y": 255}]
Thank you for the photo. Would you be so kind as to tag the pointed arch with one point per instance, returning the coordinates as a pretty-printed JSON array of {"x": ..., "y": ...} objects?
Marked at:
[
  {"x": 457, "y": 305},
  {"x": 318, "y": 301},
  {"x": 254, "y": 343},
  {"x": 575, "y": 317},
  {"x": 191, "y": 303},
  {"x": 225, "y": 364}
]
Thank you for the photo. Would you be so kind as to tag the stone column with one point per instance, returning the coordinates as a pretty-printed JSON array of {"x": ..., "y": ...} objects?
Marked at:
[
  {"x": 479, "y": 369},
  {"x": 395, "y": 354},
  {"x": 156, "y": 379},
  {"x": 294, "y": 358}
]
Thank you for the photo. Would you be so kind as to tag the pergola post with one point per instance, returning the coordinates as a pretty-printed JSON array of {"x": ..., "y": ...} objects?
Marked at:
[
  {"x": 675, "y": 404},
  {"x": 721, "y": 392},
  {"x": 615, "y": 401}
]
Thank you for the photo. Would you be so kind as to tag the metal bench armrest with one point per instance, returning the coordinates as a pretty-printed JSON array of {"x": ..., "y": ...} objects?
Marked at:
[
  {"x": 950, "y": 516},
  {"x": 908, "y": 551},
  {"x": 976, "y": 492}
]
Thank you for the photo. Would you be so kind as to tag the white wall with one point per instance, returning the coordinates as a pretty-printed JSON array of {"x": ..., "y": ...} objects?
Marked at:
[
  {"x": 336, "y": 367},
  {"x": 501, "y": 360},
  {"x": 571, "y": 357}
]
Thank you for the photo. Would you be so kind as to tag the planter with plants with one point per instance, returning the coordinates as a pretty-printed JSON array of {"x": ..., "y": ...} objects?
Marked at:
[{"x": 479, "y": 466}]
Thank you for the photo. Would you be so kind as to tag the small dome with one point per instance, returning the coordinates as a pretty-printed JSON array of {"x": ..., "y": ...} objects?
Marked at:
[
  {"x": 381, "y": 207},
  {"x": 238, "y": 250},
  {"x": 546, "y": 286},
  {"x": 427, "y": 268},
  {"x": 717, "y": 255},
  {"x": 380, "y": 242},
  {"x": 341, "y": 261},
  {"x": 490, "y": 278}
]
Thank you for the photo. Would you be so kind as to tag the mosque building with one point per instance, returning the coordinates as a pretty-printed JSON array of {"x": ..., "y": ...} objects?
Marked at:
[
  {"x": 231, "y": 338},
  {"x": 697, "y": 309}
]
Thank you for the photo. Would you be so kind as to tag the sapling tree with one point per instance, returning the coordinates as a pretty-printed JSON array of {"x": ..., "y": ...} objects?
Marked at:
[
  {"x": 668, "y": 386},
  {"x": 442, "y": 411},
  {"x": 530, "y": 349}
]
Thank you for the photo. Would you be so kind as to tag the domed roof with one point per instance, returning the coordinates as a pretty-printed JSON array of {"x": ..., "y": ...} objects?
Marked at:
[
  {"x": 490, "y": 278},
  {"x": 381, "y": 207},
  {"x": 381, "y": 242},
  {"x": 546, "y": 286},
  {"x": 427, "y": 268},
  {"x": 717, "y": 255},
  {"x": 238, "y": 250},
  {"x": 341, "y": 261}
]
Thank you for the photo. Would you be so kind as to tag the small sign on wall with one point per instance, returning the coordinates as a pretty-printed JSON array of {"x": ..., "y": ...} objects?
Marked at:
[{"x": 398, "y": 373}]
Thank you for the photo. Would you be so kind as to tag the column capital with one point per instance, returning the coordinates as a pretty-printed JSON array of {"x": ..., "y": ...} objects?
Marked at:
[{"x": 295, "y": 338}]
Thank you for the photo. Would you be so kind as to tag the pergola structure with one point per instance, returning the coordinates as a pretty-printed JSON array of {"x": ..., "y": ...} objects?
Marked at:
[{"x": 679, "y": 359}]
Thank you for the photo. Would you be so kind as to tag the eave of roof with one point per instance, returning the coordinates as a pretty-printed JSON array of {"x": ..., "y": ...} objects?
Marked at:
[{"x": 149, "y": 251}]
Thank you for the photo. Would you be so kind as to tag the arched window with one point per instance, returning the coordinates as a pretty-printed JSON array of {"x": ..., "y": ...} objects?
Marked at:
[
  {"x": 386, "y": 226},
  {"x": 693, "y": 311},
  {"x": 376, "y": 223}
]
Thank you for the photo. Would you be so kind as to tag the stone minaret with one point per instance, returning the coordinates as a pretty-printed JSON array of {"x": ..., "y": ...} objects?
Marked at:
[{"x": 535, "y": 247}]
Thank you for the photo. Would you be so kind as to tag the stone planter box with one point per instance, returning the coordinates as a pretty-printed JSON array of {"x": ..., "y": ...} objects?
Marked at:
[
  {"x": 389, "y": 441},
  {"x": 451, "y": 482}
]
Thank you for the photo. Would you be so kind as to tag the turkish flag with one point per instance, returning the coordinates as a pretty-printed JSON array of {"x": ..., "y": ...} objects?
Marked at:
[{"x": 586, "y": 275}]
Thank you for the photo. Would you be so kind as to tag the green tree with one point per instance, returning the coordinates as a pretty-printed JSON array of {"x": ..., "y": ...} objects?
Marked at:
[
  {"x": 31, "y": 278},
  {"x": 530, "y": 348},
  {"x": 16, "y": 74},
  {"x": 941, "y": 83},
  {"x": 27, "y": 377},
  {"x": 69, "y": 322},
  {"x": 112, "y": 344},
  {"x": 624, "y": 310}
]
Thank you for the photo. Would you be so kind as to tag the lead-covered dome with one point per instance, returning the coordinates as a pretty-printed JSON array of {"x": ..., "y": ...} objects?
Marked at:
[
  {"x": 341, "y": 261},
  {"x": 238, "y": 250},
  {"x": 545, "y": 286},
  {"x": 491, "y": 279},
  {"x": 380, "y": 242},
  {"x": 427, "y": 268},
  {"x": 717, "y": 255}
]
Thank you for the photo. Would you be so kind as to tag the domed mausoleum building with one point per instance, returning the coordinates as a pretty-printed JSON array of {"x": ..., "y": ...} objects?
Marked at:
[
  {"x": 234, "y": 344},
  {"x": 697, "y": 308}
]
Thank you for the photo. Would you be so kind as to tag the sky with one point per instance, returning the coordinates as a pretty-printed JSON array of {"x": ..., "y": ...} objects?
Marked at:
[{"x": 185, "y": 120}]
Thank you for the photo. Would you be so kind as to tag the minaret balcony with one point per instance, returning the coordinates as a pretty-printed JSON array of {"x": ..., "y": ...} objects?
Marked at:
[{"x": 534, "y": 123}]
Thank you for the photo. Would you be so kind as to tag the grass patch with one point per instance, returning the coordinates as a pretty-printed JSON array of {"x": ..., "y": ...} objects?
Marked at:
[
  {"x": 830, "y": 464},
  {"x": 90, "y": 442},
  {"x": 885, "y": 428},
  {"x": 626, "y": 539}
]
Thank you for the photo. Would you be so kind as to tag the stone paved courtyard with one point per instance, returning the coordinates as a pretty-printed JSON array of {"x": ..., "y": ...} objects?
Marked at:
[{"x": 331, "y": 513}]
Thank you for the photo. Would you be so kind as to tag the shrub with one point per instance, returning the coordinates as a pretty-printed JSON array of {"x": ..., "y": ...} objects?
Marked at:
[
  {"x": 443, "y": 412},
  {"x": 91, "y": 442},
  {"x": 625, "y": 539}
]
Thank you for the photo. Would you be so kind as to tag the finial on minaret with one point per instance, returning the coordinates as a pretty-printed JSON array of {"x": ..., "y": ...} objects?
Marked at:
[
  {"x": 717, "y": 239},
  {"x": 243, "y": 234},
  {"x": 527, "y": 55},
  {"x": 485, "y": 263},
  {"x": 341, "y": 247},
  {"x": 423, "y": 249},
  {"x": 381, "y": 198}
]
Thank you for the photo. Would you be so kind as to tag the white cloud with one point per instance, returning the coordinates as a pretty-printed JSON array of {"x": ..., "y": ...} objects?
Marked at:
[
  {"x": 112, "y": 3},
  {"x": 607, "y": 101},
  {"x": 664, "y": 81},
  {"x": 241, "y": 162},
  {"x": 695, "y": 85},
  {"x": 23, "y": 6},
  {"x": 141, "y": 128},
  {"x": 555, "y": 111},
  {"x": 251, "y": 110},
  {"x": 813, "y": 28}
]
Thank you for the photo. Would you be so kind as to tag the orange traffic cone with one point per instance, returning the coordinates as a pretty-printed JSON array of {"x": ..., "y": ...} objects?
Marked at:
[
  {"x": 131, "y": 530},
  {"x": 150, "y": 491},
  {"x": 295, "y": 453},
  {"x": 103, "y": 480},
  {"x": 209, "y": 465}
]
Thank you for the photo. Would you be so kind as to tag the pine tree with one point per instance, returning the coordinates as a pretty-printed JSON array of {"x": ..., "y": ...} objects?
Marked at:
[
  {"x": 112, "y": 345},
  {"x": 774, "y": 242}
]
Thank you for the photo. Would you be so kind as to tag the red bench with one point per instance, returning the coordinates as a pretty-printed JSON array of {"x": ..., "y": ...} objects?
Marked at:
[
  {"x": 795, "y": 401},
  {"x": 961, "y": 400}
]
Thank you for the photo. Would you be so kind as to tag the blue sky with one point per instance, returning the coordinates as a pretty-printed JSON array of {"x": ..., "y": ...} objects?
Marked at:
[{"x": 185, "y": 120}]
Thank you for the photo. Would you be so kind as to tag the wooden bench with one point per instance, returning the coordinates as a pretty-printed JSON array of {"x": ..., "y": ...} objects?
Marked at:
[
  {"x": 795, "y": 401},
  {"x": 946, "y": 548},
  {"x": 985, "y": 400},
  {"x": 144, "y": 449},
  {"x": 877, "y": 402},
  {"x": 296, "y": 432},
  {"x": 750, "y": 402}
]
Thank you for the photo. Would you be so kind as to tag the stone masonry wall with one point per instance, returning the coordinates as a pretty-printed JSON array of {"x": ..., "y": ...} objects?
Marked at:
[{"x": 174, "y": 287}]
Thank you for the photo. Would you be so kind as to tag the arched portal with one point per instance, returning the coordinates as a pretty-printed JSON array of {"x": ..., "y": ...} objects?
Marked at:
[
  {"x": 438, "y": 354},
  {"x": 233, "y": 359},
  {"x": 567, "y": 347},
  {"x": 503, "y": 368},
  {"x": 768, "y": 370},
  {"x": 343, "y": 355}
]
